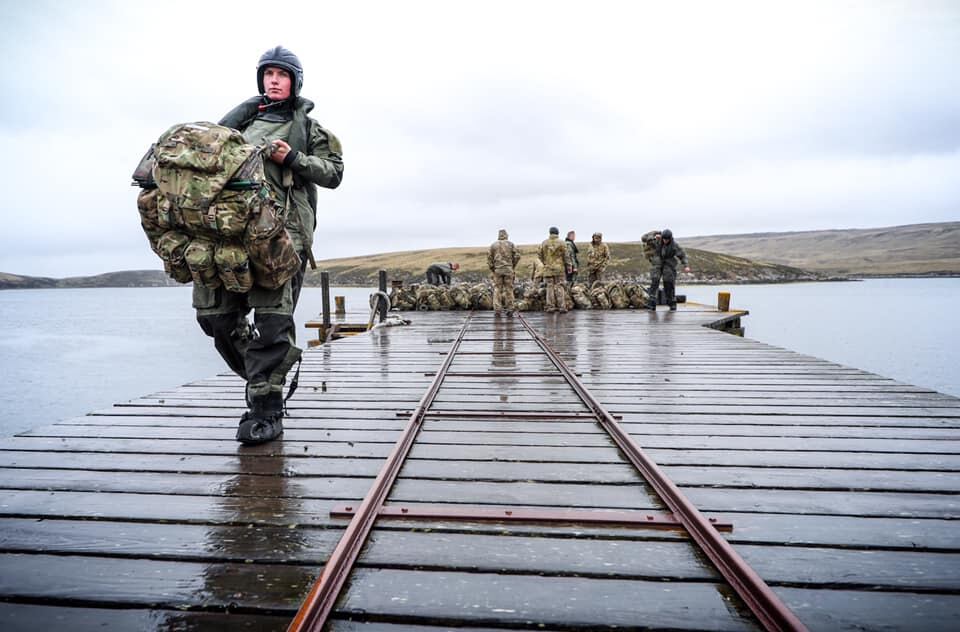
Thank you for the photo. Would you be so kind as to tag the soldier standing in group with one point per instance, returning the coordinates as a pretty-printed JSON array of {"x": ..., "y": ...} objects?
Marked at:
[
  {"x": 574, "y": 268},
  {"x": 662, "y": 252},
  {"x": 305, "y": 155},
  {"x": 555, "y": 258},
  {"x": 502, "y": 259},
  {"x": 597, "y": 259},
  {"x": 441, "y": 273}
]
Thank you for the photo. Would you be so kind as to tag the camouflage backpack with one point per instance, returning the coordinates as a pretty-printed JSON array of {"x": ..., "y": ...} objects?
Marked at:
[
  {"x": 599, "y": 298},
  {"x": 580, "y": 296},
  {"x": 618, "y": 298},
  {"x": 209, "y": 213}
]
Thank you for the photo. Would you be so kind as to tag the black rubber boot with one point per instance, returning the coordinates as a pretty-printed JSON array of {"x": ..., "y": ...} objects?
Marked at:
[
  {"x": 652, "y": 306},
  {"x": 264, "y": 421},
  {"x": 673, "y": 307}
]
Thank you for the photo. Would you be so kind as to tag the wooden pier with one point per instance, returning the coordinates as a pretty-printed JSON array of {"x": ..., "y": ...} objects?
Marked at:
[{"x": 841, "y": 487}]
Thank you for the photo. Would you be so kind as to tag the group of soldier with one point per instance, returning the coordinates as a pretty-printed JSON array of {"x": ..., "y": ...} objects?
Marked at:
[{"x": 555, "y": 284}]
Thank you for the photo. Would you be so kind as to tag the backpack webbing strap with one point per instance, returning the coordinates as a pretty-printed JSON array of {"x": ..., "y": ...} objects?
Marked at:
[{"x": 294, "y": 382}]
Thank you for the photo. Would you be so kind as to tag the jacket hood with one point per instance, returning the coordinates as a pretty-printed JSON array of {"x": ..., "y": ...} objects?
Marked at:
[{"x": 598, "y": 237}]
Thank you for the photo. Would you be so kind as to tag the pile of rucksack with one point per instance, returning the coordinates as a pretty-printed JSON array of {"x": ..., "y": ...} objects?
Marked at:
[{"x": 209, "y": 212}]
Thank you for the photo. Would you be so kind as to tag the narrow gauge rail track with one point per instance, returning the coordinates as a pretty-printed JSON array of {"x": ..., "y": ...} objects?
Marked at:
[{"x": 768, "y": 609}]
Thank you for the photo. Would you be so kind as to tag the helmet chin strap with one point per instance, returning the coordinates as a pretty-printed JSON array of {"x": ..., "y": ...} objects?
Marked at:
[{"x": 269, "y": 103}]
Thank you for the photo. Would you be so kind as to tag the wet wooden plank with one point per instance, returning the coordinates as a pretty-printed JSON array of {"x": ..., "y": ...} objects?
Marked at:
[
  {"x": 172, "y": 542},
  {"x": 658, "y": 560},
  {"x": 16, "y": 617},
  {"x": 768, "y": 475},
  {"x": 431, "y": 437},
  {"x": 519, "y": 600},
  {"x": 180, "y": 508},
  {"x": 153, "y": 583}
]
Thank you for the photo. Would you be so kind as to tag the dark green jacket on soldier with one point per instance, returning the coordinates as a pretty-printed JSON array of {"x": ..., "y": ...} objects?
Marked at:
[
  {"x": 555, "y": 257},
  {"x": 315, "y": 159},
  {"x": 661, "y": 254},
  {"x": 574, "y": 254},
  {"x": 503, "y": 256}
]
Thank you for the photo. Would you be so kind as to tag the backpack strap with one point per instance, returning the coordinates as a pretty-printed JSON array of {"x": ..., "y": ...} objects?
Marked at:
[{"x": 294, "y": 383}]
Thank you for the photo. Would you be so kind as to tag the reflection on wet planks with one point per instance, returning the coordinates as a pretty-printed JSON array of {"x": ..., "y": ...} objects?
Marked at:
[{"x": 841, "y": 485}]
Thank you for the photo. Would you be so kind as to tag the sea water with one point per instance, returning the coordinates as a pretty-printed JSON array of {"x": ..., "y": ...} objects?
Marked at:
[{"x": 64, "y": 353}]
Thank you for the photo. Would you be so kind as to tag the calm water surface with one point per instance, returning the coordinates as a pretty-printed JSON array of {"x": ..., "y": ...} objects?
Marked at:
[
  {"x": 905, "y": 329},
  {"x": 68, "y": 352},
  {"x": 65, "y": 353}
]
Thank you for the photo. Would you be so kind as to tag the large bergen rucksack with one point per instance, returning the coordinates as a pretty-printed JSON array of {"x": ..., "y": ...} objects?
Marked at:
[{"x": 209, "y": 213}]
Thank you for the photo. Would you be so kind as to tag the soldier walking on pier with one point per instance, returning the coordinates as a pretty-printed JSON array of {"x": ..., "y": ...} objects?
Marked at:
[
  {"x": 556, "y": 259},
  {"x": 663, "y": 252},
  {"x": 502, "y": 259},
  {"x": 598, "y": 256},
  {"x": 305, "y": 155}
]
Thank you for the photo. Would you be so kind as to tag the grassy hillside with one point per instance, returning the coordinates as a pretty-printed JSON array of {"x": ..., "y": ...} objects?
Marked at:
[
  {"x": 912, "y": 249},
  {"x": 626, "y": 261}
]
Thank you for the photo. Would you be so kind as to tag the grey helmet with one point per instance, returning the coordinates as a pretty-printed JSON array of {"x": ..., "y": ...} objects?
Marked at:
[
  {"x": 666, "y": 233},
  {"x": 281, "y": 57}
]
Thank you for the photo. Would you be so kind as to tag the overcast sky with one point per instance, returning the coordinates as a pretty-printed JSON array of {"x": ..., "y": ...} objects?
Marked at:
[{"x": 459, "y": 118}]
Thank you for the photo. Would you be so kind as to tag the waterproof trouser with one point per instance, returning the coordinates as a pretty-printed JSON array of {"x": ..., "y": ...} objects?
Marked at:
[
  {"x": 263, "y": 353},
  {"x": 594, "y": 276},
  {"x": 669, "y": 275}
]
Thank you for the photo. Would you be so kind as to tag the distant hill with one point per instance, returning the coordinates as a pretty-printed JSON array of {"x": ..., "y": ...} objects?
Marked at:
[
  {"x": 627, "y": 261},
  {"x": 128, "y": 278},
  {"x": 916, "y": 249}
]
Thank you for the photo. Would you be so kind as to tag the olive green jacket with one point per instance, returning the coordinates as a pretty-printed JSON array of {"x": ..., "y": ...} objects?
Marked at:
[{"x": 318, "y": 160}]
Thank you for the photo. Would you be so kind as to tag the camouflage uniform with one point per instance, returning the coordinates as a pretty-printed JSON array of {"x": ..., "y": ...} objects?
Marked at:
[
  {"x": 556, "y": 259},
  {"x": 597, "y": 259},
  {"x": 663, "y": 264},
  {"x": 264, "y": 352},
  {"x": 502, "y": 259}
]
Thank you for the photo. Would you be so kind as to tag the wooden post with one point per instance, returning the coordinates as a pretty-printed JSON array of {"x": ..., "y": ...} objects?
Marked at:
[
  {"x": 325, "y": 287},
  {"x": 723, "y": 301},
  {"x": 382, "y": 286},
  {"x": 341, "y": 304}
]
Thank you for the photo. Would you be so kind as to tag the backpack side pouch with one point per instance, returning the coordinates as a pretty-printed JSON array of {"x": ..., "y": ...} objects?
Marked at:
[
  {"x": 171, "y": 247},
  {"x": 273, "y": 258},
  {"x": 199, "y": 257},
  {"x": 149, "y": 221},
  {"x": 233, "y": 266}
]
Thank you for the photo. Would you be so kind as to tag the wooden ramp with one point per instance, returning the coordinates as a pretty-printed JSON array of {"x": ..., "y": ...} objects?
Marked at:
[{"x": 842, "y": 488}]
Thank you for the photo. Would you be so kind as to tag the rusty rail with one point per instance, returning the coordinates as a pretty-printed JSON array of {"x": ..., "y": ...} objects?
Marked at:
[
  {"x": 772, "y": 613},
  {"x": 318, "y": 604}
]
